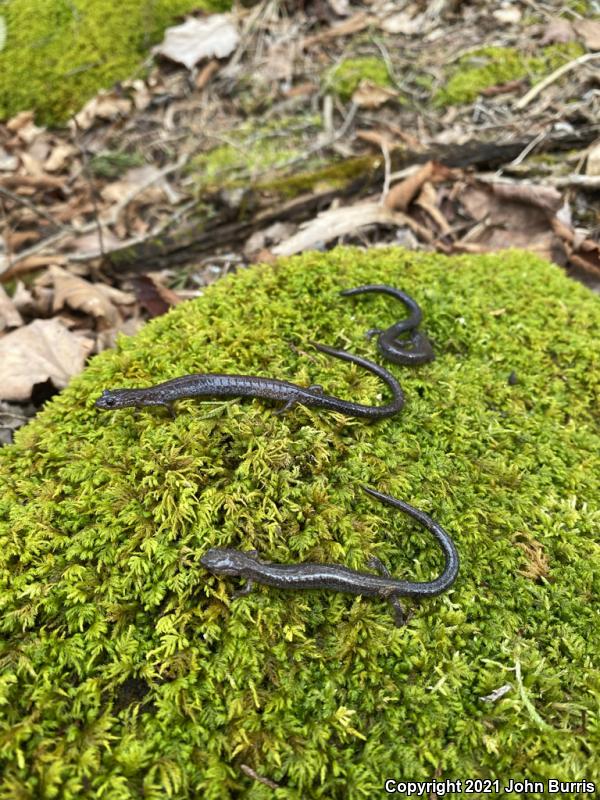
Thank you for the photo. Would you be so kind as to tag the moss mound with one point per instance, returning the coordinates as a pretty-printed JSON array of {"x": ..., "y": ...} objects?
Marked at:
[
  {"x": 128, "y": 671},
  {"x": 58, "y": 53}
]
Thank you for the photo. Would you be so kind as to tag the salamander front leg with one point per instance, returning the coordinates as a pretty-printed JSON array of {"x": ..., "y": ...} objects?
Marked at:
[
  {"x": 372, "y": 332},
  {"x": 244, "y": 590},
  {"x": 249, "y": 582},
  {"x": 399, "y": 617}
]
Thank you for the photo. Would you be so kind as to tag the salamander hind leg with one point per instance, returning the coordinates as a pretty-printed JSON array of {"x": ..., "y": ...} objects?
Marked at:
[{"x": 400, "y": 619}]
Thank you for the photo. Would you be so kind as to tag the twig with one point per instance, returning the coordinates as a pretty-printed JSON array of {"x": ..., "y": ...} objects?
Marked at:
[
  {"x": 388, "y": 170},
  {"x": 560, "y": 181},
  {"x": 28, "y": 204},
  {"x": 554, "y": 76},
  {"x": 524, "y": 153},
  {"x": 88, "y": 176},
  {"x": 111, "y": 219},
  {"x": 180, "y": 212}
]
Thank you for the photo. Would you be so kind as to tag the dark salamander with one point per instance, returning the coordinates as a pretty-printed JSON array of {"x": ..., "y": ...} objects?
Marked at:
[
  {"x": 217, "y": 385},
  {"x": 231, "y": 562},
  {"x": 416, "y": 349}
]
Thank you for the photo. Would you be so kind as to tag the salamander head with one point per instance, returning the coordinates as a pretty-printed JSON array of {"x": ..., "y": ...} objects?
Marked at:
[
  {"x": 117, "y": 398},
  {"x": 223, "y": 561}
]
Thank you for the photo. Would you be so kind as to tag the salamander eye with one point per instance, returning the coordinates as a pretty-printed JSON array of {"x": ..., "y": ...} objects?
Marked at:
[{"x": 106, "y": 400}]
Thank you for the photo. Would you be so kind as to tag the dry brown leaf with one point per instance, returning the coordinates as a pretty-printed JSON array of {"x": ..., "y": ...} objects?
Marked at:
[
  {"x": 88, "y": 245},
  {"x": 336, "y": 222},
  {"x": 106, "y": 106},
  {"x": 32, "y": 166},
  {"x": 589, "y": 31},
  {"x": 592, "y": 166},
  {"x": 404, "y": 22},
  {"x": 144, "y": 183},
  {"x": 42, "y": 350},
  {"x": 195, "y": 39},
  {"x": 80, "y": 295},
  {"x": 380, "y": 140},
  {"x": 519, "y": 218},
  {"x": 401, "y": 195},
  {"x": 356, "y": 23},
  {"x": 508, "y": 15},
  {"x": 23, "y": 299},
  {"x": 59, "y": 158},
  {"x": 19, "y": 121},
  {"x": 8, "y": 162},
  {"x": 544, "y": 197},
  {"x": 9, "y": 314},
  {"x": 370, "y": 95},
  {"x": 427, "y": 200},
  {"x": 558, "y": 31},
  {"x": 206, "y": 74}
]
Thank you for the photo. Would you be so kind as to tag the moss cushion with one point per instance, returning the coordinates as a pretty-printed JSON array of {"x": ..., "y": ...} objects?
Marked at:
[{"x": 128, "y": 671}]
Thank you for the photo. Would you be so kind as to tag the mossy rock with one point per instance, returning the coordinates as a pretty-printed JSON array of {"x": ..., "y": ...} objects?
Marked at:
[
  {"x": 128, "y": 671},
  {"x": 59, "y": 53}
]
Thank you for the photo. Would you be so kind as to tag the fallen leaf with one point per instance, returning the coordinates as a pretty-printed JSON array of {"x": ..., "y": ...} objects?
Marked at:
[
  {"x": 356, "y": 23},
  {"x": 214, "y": 36},
  {"x": 509, "y": 15},
  {"x": 154, "y": 297},
  {"x": 19, "y": 121},
  {"x": 8, "y": 162},
  {"x": 592, "y": 166},
  {"x": 589, "y": 31},
  {"x": 336, "y": 222},
  {"x": 427, "y": 200},
  {"x": 43, "y": 350},
  {"x": 206, "y": 74},
  {"x": 403, "y": 22},
  {"x": 152, "y": 188},
  {"x": 371, "y": 95},
  {"x": 401, "y": 195},
  {"x": 558, "y": 31},
  {"x": 9, "y": 315},
  {"x": 59, "y": 158},
  {"x": 512, "y": 216},
  {"x": 80, "y": 295},
  {"x": 105, "y": 106}
]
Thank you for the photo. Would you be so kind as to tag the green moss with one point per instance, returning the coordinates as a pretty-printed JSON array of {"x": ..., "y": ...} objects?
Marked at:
[
  {"x": 127, "y": 671},
  {"x": 489, "y": 66},
  {"x": 251, "y": 150},
  {"x": 58, "y": 53},
  {"x": 111, "y": 164},
  {"x": 345, "y": 77},
  {"x": 333, "y": 176}
]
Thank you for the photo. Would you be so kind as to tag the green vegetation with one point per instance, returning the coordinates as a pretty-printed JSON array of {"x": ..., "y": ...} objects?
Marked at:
[
  {"x": 345, "y": 77},
  {"x": 490, "y": 66},
  {"x": 59, "y": 53},
  {"x": 252, "y": 150},
  {"x": 111, "y": 164},
  {"x": 127, "y": 671}
]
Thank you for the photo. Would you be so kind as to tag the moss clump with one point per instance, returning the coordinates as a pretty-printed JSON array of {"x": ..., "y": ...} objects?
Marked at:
[
  {"x": 111, "y": 164},
  {"x": 127, "y": 671},
  {"x": 252, "y": 151},
  {"x": 345, "y": 77},
  {"x": 331, "y": 176},
  {"x": 58, "y": 53},
  {"x": 489, "y": 66}
]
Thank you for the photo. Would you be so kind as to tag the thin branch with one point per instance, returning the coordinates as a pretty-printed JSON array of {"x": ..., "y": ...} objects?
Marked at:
[
  {"x": 28, "y": 204},
  {"x": 554, "y": 76}
]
